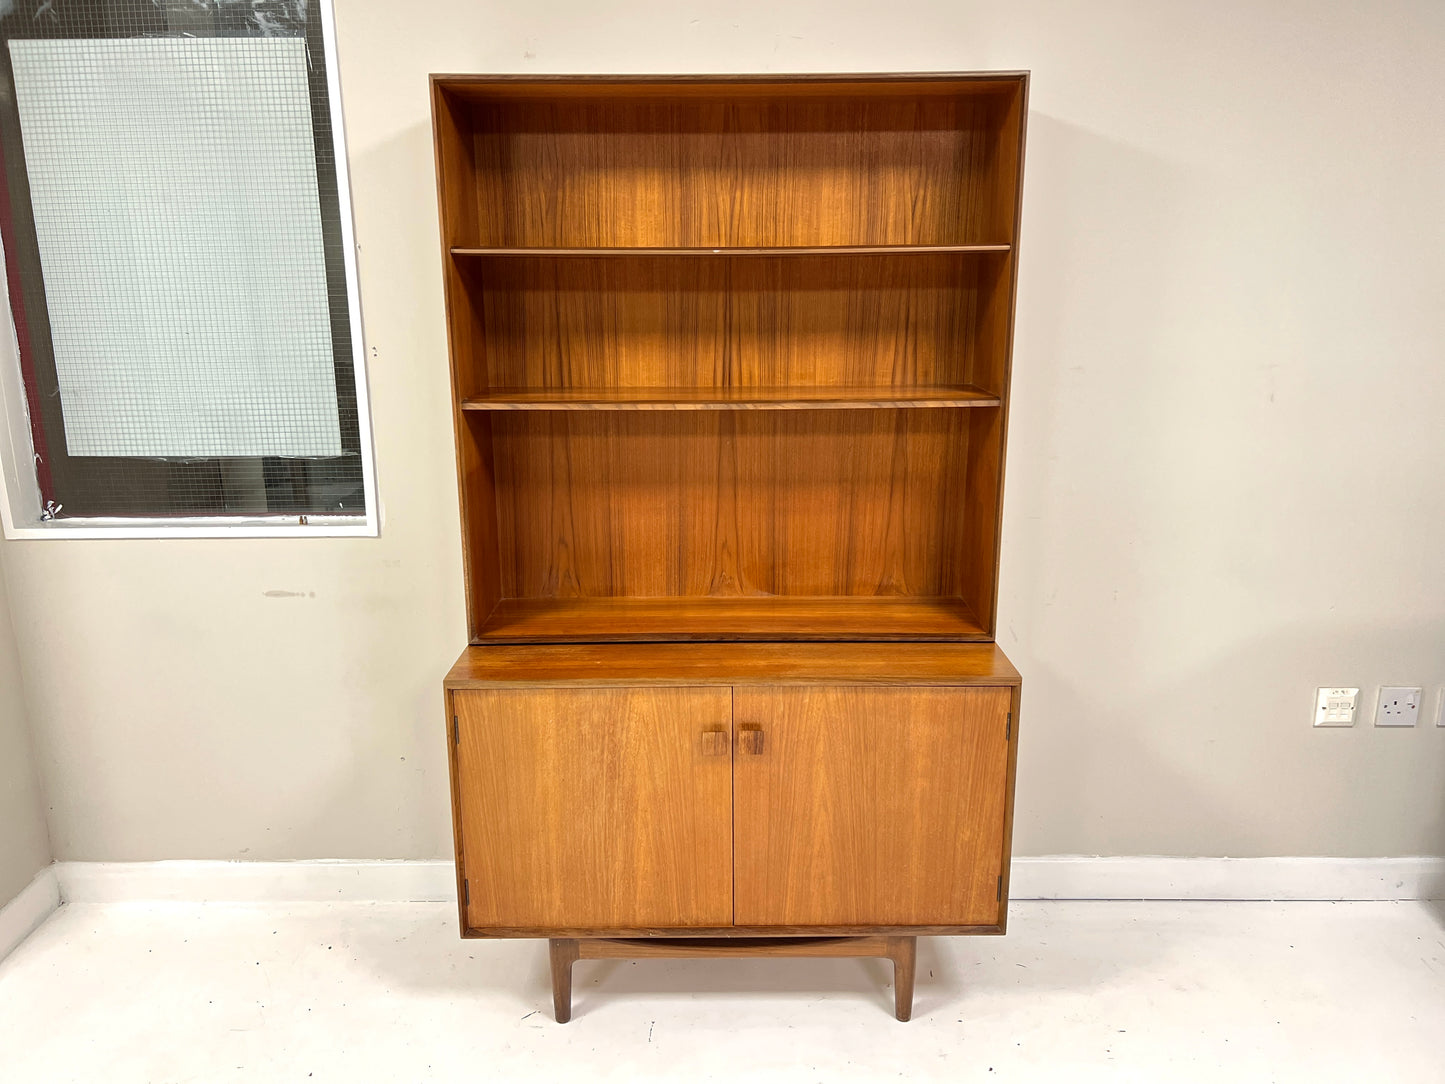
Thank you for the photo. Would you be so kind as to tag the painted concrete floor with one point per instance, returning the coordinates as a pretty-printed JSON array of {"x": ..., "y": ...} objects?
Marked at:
[{"x": 387, "y": 992}]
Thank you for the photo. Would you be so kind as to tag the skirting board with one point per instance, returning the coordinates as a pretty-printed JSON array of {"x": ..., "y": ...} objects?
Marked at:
[
  {"x": 23, "y": 915},
  {"x": 1059, "y": 877}
]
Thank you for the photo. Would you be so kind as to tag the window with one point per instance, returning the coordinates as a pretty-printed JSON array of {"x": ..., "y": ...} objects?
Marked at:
[{"x": 176, "y": 229}]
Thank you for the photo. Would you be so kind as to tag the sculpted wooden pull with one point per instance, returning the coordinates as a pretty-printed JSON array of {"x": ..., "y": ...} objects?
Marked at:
[
  {"x": 714, "y": 743},
  {"x": 750, "y": 740}
]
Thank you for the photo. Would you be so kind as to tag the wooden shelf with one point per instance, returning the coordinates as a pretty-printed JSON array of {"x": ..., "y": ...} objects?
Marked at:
[
  {"x": 756, "y": 250},
  {"x": 771, "y": 617},
  {"x": 791, "y": 398},
  {"x": 600, "y": 665}
]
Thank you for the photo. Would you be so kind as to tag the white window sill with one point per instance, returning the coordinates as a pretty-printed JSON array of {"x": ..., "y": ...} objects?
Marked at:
[{"x": 198, "y": 527}]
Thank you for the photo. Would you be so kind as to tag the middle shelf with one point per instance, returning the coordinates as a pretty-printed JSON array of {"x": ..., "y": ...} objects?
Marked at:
[{"x": 872, "y": 397}]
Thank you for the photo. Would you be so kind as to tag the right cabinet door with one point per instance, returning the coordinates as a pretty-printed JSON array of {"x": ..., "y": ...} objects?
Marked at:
[{"x": 862, "y": 806}]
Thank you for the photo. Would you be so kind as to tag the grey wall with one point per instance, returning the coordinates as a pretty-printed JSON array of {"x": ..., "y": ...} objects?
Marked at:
[
  {"x": 1224, "y": 480},
  {"x": 24, "y": 845}
]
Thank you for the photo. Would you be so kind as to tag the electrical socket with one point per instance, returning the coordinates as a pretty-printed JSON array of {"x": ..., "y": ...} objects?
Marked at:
[
  {"x": 1399, "y": 705},
  {"x": 1336, "y": 707},
  {"x": 1440, "y": 709}
]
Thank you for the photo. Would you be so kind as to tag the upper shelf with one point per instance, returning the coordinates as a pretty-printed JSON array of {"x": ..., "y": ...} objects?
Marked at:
[
  {"x": 784, "y": 250},
  {"x": 732, "y": 398}
]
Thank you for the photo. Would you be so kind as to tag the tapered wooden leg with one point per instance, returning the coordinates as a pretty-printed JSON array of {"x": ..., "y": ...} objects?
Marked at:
[
  {"x": 903, "y": 951},
  {"x": 563, "y": 951}
]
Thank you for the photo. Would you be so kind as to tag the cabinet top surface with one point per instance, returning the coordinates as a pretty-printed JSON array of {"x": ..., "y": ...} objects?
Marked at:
[
  {"x": 732, "y": 664},
  {"x": 724, "y": 77},
  {"x": 468, "y": 85}
]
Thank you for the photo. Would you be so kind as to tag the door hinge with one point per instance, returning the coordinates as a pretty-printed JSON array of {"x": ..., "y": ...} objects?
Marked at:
[
  {"x": 1008, "y": 730},
  {"x": 999, "y": 894},
  {"x": 466, "y": 893},
  {"x": 456, "y": 731}
]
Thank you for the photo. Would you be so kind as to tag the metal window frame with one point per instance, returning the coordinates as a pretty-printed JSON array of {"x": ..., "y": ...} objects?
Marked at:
[{"x": 20, "y": 505}]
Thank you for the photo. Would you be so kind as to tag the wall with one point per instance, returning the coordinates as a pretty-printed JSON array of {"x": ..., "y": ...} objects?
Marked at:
[
  {"x": 24, "y": 845},
  {"x": 1224, "y": 484}
]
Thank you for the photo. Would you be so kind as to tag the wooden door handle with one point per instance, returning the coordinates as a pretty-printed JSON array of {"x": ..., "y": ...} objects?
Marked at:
[
  {"x": 750, "y": 740},
  {"x": 714, "y": 743}
]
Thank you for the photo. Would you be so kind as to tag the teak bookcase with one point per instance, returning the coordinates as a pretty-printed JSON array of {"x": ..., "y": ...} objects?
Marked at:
[{"x": 730, "y": 358}]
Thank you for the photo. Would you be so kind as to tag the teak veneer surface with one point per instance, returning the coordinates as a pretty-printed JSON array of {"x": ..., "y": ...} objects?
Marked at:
[
  {"x": 914, "y": 664},
  {"x": 730, "y": 503},
  {"x": 685, "y": 171},
  {"x": 598, "y": 807},
  {"x": 615, "y": 620},
  {"x": 735, "y": 323},
  {"x": 869, "y": 806},
  {"x": 735, "y": 398}
]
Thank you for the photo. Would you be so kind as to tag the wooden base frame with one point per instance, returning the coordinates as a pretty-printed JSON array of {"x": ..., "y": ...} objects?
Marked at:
[{"x": 565, "y": 951}]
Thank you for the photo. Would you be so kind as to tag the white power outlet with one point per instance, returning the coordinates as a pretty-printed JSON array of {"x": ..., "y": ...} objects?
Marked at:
[
  {"x": 1336, "y": 707},
  {"x": 1399, "y": 705},
  {"x": 1440, "y": 709}
]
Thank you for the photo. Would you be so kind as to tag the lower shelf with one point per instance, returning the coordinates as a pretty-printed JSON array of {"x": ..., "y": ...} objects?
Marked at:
[{"x": 772, "y": 617}]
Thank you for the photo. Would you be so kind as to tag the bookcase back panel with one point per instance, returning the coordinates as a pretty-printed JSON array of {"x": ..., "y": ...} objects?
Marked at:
[
  {"x": 787, "y": 168},
  {"x": 565, "y": 322},
  {"x": 812, "y": 503}
]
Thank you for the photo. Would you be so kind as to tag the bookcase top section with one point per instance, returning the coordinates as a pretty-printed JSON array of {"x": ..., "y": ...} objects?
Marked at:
[
  {"x": 730, "y": 356},
  {"x": 731, "y": 664}
]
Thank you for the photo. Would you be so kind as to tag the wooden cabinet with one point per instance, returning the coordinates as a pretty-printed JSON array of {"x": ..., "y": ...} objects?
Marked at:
[
  {"x": 630, "y": 809},
  {"x": 730, "y": 366}
]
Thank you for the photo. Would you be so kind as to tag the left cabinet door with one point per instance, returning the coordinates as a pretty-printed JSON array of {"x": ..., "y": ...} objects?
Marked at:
[{"x": 595, "y": 808}]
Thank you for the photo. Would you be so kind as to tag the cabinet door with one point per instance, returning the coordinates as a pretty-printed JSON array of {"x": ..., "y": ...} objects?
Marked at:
[
  {"x": 604, "y": 808},
  {"x": 869, "y": 806}
]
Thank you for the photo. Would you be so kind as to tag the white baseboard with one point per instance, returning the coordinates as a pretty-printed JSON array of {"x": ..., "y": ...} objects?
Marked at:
[
  {"x": 23, "y": 915},
  {"x": 1059, "y": 877},
  {"x": 1081, "y": 877},
  {"x": 316, "y": 880}
]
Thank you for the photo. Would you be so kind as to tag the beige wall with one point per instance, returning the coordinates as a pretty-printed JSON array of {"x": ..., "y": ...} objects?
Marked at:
[
  {"x": 24, "y": 845},
  {"x": 1226, "y": 476}
]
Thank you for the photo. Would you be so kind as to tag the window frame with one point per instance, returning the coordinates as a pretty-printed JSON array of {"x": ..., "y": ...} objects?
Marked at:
[{"x": 21, "y": 511}]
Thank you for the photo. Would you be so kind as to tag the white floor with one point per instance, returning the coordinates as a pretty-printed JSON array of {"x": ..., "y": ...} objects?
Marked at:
[{"x": 387, "y": 992}]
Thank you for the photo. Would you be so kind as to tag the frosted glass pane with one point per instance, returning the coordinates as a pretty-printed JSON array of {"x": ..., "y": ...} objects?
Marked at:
[{"x": 174, "y": 188}]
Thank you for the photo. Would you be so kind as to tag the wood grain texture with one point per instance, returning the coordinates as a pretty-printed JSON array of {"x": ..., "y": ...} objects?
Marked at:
[
  {"x": 594, "y": 807},
  {"x": 786, "y": 398},
  {"x": 815, "y": 321},
  {"x": 734, "y": 664},
  {"x": 688, "y": 171},
  {"x": 726, "y": 503},
  {"x": 870, "y": 806},
  {"x": 735, "y": 618}
]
